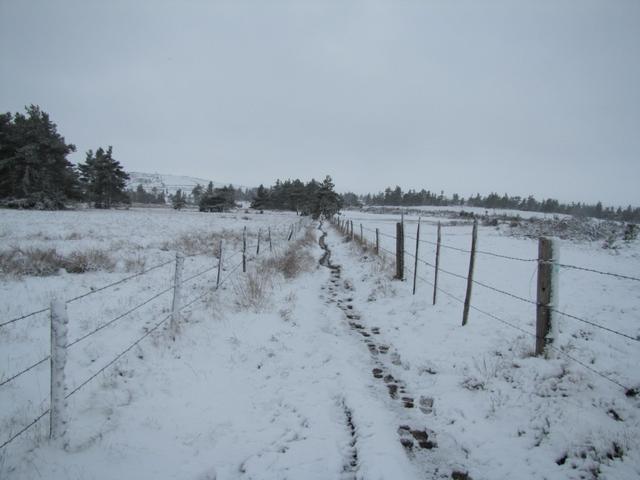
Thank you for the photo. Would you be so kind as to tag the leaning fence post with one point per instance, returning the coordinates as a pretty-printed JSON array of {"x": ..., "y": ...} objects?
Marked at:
[
  {"x": 219, "y": 265},
  {"x": 244, "y": 250},
  {"x": 58, "y": 360},
  {"x": 400, "y": 251},
  {"x": 415, "y": 266},
  {"x": 435, "y": 278},
  {"x": 290, "y": 233},
  {"x": 270, "y": 244},
  {"x": 472, "y": 259},
  {"x": 546, "y": 293},
  {"x": 258, "y": 247},
  {"x": 177, "y": 286},
  {"x": 377, "y": 242}
]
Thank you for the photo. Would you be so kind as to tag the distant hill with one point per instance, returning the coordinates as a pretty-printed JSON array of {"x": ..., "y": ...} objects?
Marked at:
[{"x": 168, "y": 183}]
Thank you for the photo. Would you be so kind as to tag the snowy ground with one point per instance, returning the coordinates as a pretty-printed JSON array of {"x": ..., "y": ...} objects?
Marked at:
[{"x": 339, "y": 373}]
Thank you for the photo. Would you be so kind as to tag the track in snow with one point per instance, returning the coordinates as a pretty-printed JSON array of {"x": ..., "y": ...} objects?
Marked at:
[{"x": 412, "y": 439}]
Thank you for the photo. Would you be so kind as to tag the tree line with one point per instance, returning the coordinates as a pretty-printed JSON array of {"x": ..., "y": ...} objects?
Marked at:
[
  {"x": 312, "y": 198},
  {"x": 35, "y": 171},
  {"x": 410, "y": 198}
]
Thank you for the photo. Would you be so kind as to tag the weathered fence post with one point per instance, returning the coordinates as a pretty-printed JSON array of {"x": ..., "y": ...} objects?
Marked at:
[
  {"x": 244, "y": 250},
  {"x": 258, "y": 247},
  {"x": 219, "y": 265},
  {"x": 290, "y": 233},
  {"x": 400, "y": 251},
  {"x": 415, "y": 266},
  {"x": 177, "y": 287},
  {"x": 270, "y": 244},
  {"x": 435, "y": 278},
  {"x": 472, "y": 260},
  {"x": 547, "y": 255},
  {"x": 362, "y": 235},
  {"x": 58, "y": 360},
  {"x": 377, "y": 242}
]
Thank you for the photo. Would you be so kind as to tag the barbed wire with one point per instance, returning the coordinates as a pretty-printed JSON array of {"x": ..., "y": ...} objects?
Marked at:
[
  {"x": 22, "y": 317},
  {"x": 110, "y": 322},
  {"x": 143, "y": 272},
  {"x": 155, "y": 327},
  {"x": 556, "y": 349},
  {"x": 532, "y": 302},
  {"x": 12, "y": 438},
  {"x": 19, "y": 374},
  {"x": 196, "y": 275},
  {"x": 120, "y": 355},
  {"x": 592, "y": 270}
]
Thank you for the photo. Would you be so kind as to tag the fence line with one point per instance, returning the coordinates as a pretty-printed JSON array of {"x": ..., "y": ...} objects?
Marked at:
[
  {"x": 517, "y": 297},
  {"x": 110, "y": 322},
  {"x": 91, "y": 292},
  {"x": 522, "y": 330},
  {"x": 233, "y": 271}
]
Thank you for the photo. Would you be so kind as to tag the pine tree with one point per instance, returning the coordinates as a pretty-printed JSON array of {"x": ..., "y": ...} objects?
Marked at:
[
  {"x": 178, "y": 200},
  {"x": 196, "y": 193},
  {"x": 103, "y": 178},
  {"x": 34, "y": 170}
]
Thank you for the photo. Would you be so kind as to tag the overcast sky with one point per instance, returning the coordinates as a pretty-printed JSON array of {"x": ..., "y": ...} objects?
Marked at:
[{"x": 525, "y": 97}]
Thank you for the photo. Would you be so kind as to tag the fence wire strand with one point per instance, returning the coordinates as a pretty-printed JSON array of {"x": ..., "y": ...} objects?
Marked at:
[
  {"x": 22, "y": 317},
  {"x": 556, "y": 349},
  {"x": 105, "y": 325},
  {"x": 19, "y": 374},
  {"x": 13, "y": 437},
  {"x": 91, "y": 292},
  {"x": 120, "y": 355},
  {"x": 600, "y": 272}
]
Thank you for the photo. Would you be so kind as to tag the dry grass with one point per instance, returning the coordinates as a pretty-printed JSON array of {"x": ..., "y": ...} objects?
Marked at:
[
  {"x": 43, "y": 262},
  {"x": 292, "y": 262},
  {"x": 204, "y": 243},
  {"x": 252, "y": 291}
]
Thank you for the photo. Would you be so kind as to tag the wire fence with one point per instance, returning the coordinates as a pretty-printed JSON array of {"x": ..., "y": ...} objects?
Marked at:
[
  {"x": 347, "y": 227},
  {"x": 277, "y": 236}
]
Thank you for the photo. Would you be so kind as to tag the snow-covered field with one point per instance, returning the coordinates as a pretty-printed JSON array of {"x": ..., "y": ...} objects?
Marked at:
[
  {"x": 456, "y": 209},
  {"x": 339, "y": 372}
]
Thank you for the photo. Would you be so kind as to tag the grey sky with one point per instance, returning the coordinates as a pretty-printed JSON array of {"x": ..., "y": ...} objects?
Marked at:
[{"x": 526, "y": 97}]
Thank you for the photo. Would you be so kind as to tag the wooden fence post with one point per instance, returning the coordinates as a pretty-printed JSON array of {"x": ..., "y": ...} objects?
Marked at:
[
  {"x": 270, "y": 244},
  {"x": 415, "y": 266},
  {"x": 399, "y": 251},
  {"x": 58, "y": 360},
  {"x": 435, "y": 278},
  {"x": 219, "y": 265},
  {"x": 258, "y": 247},
  {"x": 352, "y": 234},
  {"x": 177, "y": 287},
  {"x": 546, "y": 292},
  {"x": 362, "y": 236},
  {"x": 244, "y": 250},
  {"x": 377, "y": 242},
  {"x": 472, "y": 260}
]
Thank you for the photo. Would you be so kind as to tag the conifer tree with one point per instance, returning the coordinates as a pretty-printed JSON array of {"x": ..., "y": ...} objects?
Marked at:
[
  {"x": 34, "y": 170},
  {"x": 179, "y": 201},
  {"x": 103, "y": 178}
]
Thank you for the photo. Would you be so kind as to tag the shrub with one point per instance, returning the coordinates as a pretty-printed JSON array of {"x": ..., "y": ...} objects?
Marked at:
[
  {"x": 44, "y": 262},
  {"x": 252, "y": 291}
]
